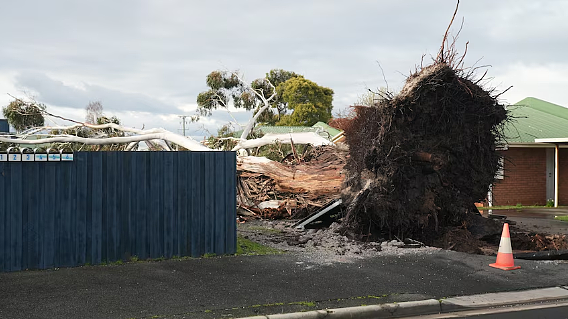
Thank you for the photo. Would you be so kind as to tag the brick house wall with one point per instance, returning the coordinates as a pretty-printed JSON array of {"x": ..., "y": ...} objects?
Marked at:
[
  {"x": 563, "y": 177},
  {"x": 525, "y": 178}
]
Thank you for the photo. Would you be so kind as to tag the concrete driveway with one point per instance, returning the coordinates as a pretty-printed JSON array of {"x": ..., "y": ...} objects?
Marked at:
[{"x": 538, "y": 220}]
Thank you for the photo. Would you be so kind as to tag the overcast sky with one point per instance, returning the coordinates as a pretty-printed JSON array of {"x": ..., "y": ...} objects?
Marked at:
[{"x": 146, "y": 61}]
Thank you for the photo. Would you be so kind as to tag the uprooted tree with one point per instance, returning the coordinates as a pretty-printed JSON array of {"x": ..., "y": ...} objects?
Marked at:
[{"x": 421, "y": 159}]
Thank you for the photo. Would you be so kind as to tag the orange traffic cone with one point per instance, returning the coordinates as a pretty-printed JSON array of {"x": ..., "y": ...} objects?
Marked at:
[{"x": 505, "y": 255}]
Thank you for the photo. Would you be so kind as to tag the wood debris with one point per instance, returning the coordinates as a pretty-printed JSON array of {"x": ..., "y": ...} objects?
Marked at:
[{"x": 270, "y": 189}]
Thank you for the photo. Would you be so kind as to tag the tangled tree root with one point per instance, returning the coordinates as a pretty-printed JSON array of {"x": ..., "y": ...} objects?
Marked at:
[{"x": 420, "y": 160}]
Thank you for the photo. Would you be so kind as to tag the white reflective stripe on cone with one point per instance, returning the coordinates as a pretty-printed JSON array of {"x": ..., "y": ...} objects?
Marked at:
[{"x": 505, "y": 245}]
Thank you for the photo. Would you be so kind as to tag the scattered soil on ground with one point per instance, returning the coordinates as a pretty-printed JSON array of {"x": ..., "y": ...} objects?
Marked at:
[
  {"x": 328, "y": 245},
  {"x": 321, "y": 246}
]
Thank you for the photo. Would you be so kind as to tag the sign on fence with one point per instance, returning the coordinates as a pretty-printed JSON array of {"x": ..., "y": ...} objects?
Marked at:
[
  {"x": 27, "y": 155},
  {"x": 109, "y": 206}
]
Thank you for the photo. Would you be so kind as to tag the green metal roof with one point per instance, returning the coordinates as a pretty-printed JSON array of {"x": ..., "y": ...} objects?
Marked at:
[
  {"x": 533, "y": 118},
  {"x": 285, "y": 129},
  {"x": 266, "y": 129},
  {"x": 332, "y": 131}
]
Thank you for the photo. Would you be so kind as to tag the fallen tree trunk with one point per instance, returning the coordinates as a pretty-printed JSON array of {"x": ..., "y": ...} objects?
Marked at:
[
  {"x": 142, "y": 135},
  {"x": 297, "y": 138},
  {"x": 275, "y": 190},
  {"x": 166, "y": 136}
]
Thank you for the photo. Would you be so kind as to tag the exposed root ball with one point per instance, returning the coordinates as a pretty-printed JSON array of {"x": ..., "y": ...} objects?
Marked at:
[{"x": 419, "y": 161}]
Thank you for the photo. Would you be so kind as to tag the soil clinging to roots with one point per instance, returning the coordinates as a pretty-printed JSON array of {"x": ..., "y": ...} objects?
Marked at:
[{"x": 421, "y": 159}]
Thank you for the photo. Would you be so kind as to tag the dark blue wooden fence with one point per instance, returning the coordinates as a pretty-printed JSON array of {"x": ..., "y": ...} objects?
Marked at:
[{"x": 109, "y": 206}]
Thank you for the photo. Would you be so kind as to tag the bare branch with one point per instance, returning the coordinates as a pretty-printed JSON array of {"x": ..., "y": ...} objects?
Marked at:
[
  {"x": 297, "y": 138},
  {"x": 440, "y": 57},
  {"x": 507, "y": 89},
  {"x": 383, "y": 72},
  {"x": 265, "y": 101},
  {"x": 167, "y": 136}
]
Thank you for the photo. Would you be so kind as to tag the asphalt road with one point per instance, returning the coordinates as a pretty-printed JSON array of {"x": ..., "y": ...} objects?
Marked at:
[{"x": 243, "y": 286}]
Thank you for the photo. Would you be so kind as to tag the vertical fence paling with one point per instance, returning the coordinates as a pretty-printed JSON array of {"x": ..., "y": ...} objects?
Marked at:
[{"x": 109, "y": 206}]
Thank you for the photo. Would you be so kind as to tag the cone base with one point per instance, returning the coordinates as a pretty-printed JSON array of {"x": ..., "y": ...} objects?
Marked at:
[{"x": 504, "y": 267}]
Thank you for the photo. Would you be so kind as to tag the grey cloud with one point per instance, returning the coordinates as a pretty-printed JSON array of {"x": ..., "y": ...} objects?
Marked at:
[
  {"x": 164, "y": 49},
  {"x": 54, "y": 92}
]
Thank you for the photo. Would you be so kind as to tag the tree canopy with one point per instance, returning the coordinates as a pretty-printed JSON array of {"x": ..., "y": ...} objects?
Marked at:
[
  {"x": 298, "y": 101},
  {"x": 23, "y": 115},
  {"x": 308, "y": 101},
  {"x": 226, "y": 86}
]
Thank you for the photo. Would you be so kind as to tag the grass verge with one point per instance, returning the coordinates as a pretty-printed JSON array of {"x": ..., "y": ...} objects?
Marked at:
[
  {"x": 561, "y": 218},
  {"x": 248, "y": 247}
]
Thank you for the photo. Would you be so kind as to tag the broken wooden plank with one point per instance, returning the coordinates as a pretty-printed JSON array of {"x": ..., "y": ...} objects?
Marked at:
[{"x": 315, "y": 216}]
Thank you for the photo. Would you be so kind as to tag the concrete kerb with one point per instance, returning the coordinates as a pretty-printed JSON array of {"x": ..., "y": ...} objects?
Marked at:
[
  {"x": 431, "y": 306},
  {"x": 504, "y": 298}
]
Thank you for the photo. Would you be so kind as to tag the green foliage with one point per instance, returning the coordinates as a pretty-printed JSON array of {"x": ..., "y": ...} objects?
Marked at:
[
  {"x": 278, "y": 106},
  {"x": 550, "y": 203},
  {"x": 309, "y": 101},
  {"x": 23, "y": 115},
  {"x": 222, "y": 141},
  {"x": 107, "y": 120},
  {"x": 278, "y": 151},
  {"x": 561, "y": 218},
  {"x": 225, "y": 86},
  {"x": 249, "y": 247},
  {"x": 298, "y": 101},
  {"x": 87, "y": 132}
]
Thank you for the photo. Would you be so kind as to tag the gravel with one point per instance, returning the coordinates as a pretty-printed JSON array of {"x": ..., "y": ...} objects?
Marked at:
[{"x": 322, "y": 246}]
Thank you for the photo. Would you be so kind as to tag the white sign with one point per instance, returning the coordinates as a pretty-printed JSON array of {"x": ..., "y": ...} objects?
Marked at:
[
  {"x": 14, "y": 157},
  {"x": 54, "y": 157},
  {"x": 67, "y": 157},
  {"x": 27, "y": 157},
  {"x": 40, "y": 157},
  {"x": 3, "y": 157}
]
